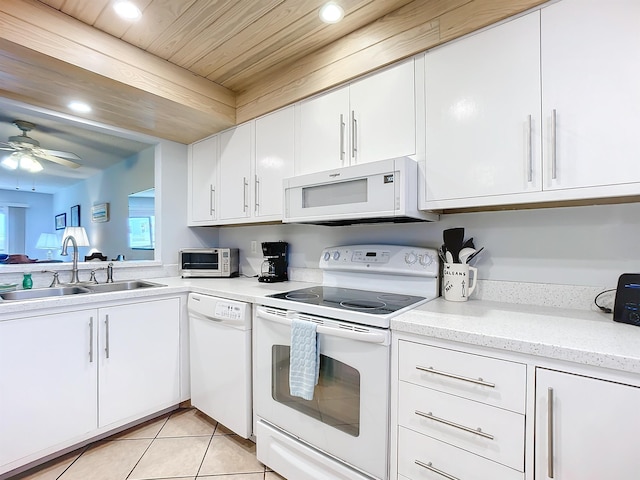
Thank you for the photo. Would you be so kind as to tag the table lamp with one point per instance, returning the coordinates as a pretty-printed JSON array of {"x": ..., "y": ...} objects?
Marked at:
[{"x": 49, "y": 242}]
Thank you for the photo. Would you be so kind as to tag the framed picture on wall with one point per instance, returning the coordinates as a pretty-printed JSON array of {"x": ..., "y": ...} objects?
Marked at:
[
  {"x": 75, "y": 216},
  {"x": 61, "y": 221},
  {"x": 100, "y": 212}
]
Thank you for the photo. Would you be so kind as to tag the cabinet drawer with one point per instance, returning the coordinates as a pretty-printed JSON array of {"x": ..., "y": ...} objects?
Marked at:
[
  {"x": 447, "y": 459},
  {"x": 487, "y": 431},
  {"x": 483, "y": 379}
]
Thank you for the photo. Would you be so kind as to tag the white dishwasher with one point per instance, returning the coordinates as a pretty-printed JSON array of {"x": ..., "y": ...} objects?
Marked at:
[{"x": 220, "y": 360}]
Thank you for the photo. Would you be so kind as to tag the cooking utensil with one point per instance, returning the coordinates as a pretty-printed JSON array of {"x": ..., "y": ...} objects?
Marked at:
[
  {"x": 465, "y": 253},
  {"x": 468, "y": 243},
  {"x": 453, "y": 240},
  {"x": 448, "y": 256},
  {"x": 473, "y": 255}
]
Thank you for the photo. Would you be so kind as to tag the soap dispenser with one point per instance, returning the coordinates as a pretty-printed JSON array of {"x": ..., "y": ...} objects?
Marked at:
[{"x": 27, "y": 282}]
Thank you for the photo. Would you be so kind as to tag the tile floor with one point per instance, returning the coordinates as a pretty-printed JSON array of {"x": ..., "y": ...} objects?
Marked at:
[{"x": 182, "y": 445}]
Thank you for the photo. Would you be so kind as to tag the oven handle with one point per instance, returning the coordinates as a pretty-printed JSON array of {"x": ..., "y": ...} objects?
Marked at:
[{"x": 369, "y": 337}]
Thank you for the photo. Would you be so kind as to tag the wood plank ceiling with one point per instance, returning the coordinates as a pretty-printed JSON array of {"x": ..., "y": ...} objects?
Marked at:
[{"x": 189, "y": 68}]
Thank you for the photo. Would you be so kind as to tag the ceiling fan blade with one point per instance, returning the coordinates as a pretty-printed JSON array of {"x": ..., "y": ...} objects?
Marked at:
[
  {"x": 57, "y": 153},
  {"x": 6, "y": 146},
  {"x": 9, "y": 149},
  {"x": 52, "y": 158}
]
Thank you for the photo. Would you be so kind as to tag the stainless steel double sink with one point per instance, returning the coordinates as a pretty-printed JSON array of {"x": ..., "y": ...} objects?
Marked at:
[{"x": 83, "y": 288}]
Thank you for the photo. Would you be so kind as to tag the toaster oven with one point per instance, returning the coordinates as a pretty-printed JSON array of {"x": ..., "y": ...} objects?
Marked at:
[{"x": 208, "y": 262}]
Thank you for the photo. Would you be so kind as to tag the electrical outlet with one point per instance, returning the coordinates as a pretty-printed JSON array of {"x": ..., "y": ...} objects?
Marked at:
[{"x": 254, "y": 246}]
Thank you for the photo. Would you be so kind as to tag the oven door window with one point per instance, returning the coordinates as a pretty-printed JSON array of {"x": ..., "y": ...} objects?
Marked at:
[{"x": 336, "y": 399}]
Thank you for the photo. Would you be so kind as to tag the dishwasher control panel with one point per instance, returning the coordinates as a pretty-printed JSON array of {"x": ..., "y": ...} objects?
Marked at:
[{"x": 229, "y": 311}]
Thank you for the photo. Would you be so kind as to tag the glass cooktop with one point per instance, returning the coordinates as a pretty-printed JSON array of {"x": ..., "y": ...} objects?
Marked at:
[{"x": 375, "y": 303}]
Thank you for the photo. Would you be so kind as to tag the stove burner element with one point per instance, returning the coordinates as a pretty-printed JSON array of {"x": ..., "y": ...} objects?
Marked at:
[
  {"x": 362, "y": 304},
  {"x": 301, "y": 296}
]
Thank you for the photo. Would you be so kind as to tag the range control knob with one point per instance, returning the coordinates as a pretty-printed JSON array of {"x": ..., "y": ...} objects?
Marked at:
[
  {"x": 425, "y": 260},
  {"x": 336, "y": 255},
  {"x": 410, "y": 258},
  {"x": 326, "y": 256}
]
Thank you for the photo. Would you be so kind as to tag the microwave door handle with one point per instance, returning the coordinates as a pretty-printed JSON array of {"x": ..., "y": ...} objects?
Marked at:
[{"x": 368, "y": 337}]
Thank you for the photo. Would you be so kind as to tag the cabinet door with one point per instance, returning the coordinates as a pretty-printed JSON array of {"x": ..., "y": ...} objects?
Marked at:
[
  {"x": 235, "y": 173},
  {"x": 274, "y": 161},
  {"x": 323, "y": 134},
  {"x": 483, "y": 113},
  {"x": 48, "y": 383},
  {"x": 591, "y": 83},
  {"x": 594, "y": 426},
  {"x": 383, "y": 115},
  {"x": 139, "y": 359},
  {"x": 202, "y": 180}
]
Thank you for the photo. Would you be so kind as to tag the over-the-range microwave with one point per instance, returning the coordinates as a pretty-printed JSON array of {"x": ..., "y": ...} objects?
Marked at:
[
  {"x": 208, "y": 262},
  {"x": 381, "y": 191}
]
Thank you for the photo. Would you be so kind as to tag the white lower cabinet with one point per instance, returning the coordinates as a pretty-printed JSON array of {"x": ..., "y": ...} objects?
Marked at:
[
  {"x": 453, "y": 417},
  {"x": 48, "y": 382},
  {"x": 585, "y": 428},
  {"x": 139, "y": 360},
  {"x": 69, "y": 376}
]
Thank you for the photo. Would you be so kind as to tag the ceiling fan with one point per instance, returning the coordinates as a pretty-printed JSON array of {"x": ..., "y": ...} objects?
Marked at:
[{"x": 27, "y": 151}]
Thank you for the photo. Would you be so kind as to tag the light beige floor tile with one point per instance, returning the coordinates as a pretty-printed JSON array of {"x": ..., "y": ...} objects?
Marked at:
[
  {"x": 230, "y": 454},
  {"x": 222, "y": 430},
  {"x": 50, "y": 470},
  {"x": 107, "y": 460},
  {"x": 189, "y": 422},
  {"x": 149, "y": 429},
  {"x": 172, "y": 457},
  {"x": 273, "y": 476},
  {"x": 240, "y": 476}
]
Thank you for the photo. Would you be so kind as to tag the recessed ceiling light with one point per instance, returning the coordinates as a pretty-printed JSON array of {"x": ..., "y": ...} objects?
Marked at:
[
  {"x": 79, "y": 107},
  {"x": 127, "y": 10},
  {"x": 331, "y": 13}
]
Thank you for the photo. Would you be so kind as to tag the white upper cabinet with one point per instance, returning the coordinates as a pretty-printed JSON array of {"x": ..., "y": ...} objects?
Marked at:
[
  {"x": 370, "y": 119},
  {"x": 483, "y": 113},
  {"x": 235, "y": 173},
  {"x": 590, "y": 78},
  {"x": 274, "y": 142},
  {"x": 508, "y": 124},
  {"x": 202, "y": 181}
]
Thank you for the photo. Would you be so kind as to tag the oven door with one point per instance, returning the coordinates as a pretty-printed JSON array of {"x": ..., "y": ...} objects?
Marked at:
[{"x": 348, "y": 415}]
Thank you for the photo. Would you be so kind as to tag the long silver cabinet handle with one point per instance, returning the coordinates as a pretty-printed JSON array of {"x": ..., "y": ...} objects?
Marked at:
[
  {"x": 476, "y": 431},
  {"x": 478, "y": 381},
  {"x": 257, "y": 194},
  {"x": 245, "y": 184},
  {"x": 429, "y": 466},
  {"x": 106, "y": 341},
  {"x": 354, "y": 135},
  {"x": 212, "y": 204},
  {"x": 342, "y": 151},
  {"x": 529, "y": 149},
  {"x": 550, "y": 432},
  {"x": 90, "y": 339},
  {"x": 554, "y": 145}
]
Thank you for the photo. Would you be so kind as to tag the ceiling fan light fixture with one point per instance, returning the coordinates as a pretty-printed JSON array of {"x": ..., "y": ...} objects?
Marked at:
[
  {"x": 80, "y": 107},
  {"x": 10, "y": 162},
  {"x": 30, "y": 164},
  {"x": 331, "y": 12},
  {"x": 127, "y": 10}
]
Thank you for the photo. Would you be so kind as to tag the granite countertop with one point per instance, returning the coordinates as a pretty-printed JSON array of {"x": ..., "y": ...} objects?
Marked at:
[{"x": 579, "y": 336}]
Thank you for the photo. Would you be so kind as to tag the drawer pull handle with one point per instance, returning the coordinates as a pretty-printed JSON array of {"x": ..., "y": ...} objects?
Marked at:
[
  {"x": 429, "y": 466},
  {"x": 476, "y": 431},
  {"x": 478, "y": 381},
  {"x": 550, "y": 471}
]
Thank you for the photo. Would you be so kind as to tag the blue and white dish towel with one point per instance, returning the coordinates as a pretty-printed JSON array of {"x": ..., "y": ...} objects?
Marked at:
[{"x": 304, "y": 359}]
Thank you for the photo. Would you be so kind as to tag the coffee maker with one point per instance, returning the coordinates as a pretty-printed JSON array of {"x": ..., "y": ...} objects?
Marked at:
[{"x": 274, "y": 267}]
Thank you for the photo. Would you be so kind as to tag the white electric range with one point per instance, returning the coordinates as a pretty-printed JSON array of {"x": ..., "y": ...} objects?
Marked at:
[{"x": 342, "y": 433}]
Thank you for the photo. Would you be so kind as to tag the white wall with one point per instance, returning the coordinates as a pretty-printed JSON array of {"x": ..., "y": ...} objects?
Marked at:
[{"x": 589, "y": 245}]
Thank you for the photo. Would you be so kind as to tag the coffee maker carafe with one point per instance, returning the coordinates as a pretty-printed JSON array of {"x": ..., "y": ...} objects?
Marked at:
[{"x": 274, "y": 267}]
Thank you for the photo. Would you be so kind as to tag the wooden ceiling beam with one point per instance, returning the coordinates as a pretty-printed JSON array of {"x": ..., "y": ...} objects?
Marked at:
[{"x": 86, "y": 55}]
